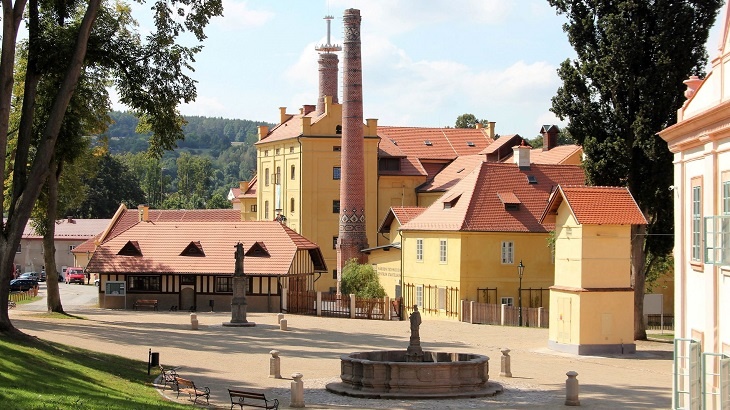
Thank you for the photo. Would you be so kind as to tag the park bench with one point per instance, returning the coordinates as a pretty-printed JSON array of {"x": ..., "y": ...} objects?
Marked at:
[
  {"x": 187, "y": 386},
  {"x": 168, "y": 375},
  {"x": 151, "y": 303},
  {"x": 251, "y": 399}
]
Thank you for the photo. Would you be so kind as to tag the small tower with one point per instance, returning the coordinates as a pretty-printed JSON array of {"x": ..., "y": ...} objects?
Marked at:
[{"x": 328, "y": 62}]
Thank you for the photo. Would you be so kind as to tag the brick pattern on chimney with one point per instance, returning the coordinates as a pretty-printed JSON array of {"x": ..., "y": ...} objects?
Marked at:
[
  {"x": 352, "y": 236},
  {"x": 327, "y": 79}
]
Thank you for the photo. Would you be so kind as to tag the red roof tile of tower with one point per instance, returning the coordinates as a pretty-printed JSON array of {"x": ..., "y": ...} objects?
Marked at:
[
  {"x": 473, "y": 204},
  {"x": 596, "y": 205}
]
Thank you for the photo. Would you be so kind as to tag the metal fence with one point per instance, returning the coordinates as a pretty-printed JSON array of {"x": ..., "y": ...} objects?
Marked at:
[{"x": 659, "y": 322}]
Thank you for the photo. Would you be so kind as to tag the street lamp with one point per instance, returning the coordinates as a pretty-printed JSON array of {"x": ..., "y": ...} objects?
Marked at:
[{"x": 520, "y": 271}]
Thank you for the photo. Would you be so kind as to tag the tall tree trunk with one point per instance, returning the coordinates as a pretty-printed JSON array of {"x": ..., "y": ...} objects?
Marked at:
[
  {"x": 53, "y": 298},
  {"x": 638, "y": 278},
  {"x": 23, "y": 200}
]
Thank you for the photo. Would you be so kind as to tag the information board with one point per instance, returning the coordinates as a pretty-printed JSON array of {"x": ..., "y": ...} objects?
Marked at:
[{"x": 116, "y": 288}]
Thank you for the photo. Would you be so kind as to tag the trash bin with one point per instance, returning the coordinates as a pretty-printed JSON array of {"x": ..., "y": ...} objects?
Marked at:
[
  {"x": 211, "y": 303},
  {"x": 153, "y": 359}
]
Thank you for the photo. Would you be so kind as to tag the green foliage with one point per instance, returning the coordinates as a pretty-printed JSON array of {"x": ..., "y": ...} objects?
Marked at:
[
  {"x": 361, "y": 280},
  {"x": 659, "y": 267},
  {"x": 468, "y": 121},
  {"x": 625, "y": 86},
  {"x": 40, "y": 374}
]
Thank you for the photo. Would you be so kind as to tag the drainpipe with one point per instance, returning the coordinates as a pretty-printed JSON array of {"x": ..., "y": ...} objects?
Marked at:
[{"x": 402, "y": 276}]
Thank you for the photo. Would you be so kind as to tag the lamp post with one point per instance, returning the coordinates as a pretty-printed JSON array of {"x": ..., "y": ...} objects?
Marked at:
[{"x": 520, "y": 271}]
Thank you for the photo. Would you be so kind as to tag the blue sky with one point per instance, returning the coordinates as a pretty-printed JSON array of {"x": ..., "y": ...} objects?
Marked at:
[{"x": 425, "y": 62}]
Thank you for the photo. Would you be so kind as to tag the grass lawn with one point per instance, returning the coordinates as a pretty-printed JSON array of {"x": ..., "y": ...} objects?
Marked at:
[{"x": 36, "y": 374}]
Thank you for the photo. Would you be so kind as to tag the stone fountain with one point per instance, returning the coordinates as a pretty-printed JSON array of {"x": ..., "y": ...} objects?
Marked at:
[{"x": 414, "y": 373}]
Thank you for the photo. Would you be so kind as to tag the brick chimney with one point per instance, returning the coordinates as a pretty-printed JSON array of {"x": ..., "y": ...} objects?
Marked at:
[
  {"x": 328, "y": 62},
  {"x": 549, "y": 137},
  {"x": 352, "y": 236}
]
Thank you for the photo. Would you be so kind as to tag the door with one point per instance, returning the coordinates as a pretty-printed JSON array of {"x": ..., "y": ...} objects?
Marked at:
[{"x": 187, "y": 298}]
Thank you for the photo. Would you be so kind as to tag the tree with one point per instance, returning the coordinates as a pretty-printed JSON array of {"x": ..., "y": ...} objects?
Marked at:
[
  {"x": 625, "y": 86},
  {"x": 72, "y": 37},
  {"x": 111, "y": 185},
  {"x": 361, "y": 280},
  {"x": 468, "y": 121}
]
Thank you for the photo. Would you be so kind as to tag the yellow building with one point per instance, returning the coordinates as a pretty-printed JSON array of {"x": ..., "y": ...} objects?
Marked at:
[
  {"x": 592, "y": 300},
  {"x": 467, "y": 244}
]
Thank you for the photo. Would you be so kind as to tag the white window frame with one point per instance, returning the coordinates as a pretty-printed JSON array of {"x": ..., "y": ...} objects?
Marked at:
[
  {"x": 696, "y": 228},
  {"x": 419, "y": 250},
  {"x": 508, "y": 253},
  {"x": 419, "y": 295},
  {"x": 507, "y": 300},
  {"x": 443, "y": 251}
]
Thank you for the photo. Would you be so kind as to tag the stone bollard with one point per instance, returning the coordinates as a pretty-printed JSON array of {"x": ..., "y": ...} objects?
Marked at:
[
  {"x": 571, "y": 389},
  {"x": 506, "y": 370},
  {"x": 275, "y": 365},
  {"x": 283, "y": 325},
  {"x": 279, "y": 317},
  {"x": 297, "y": 390},
  {"x": 194, "y": 321}
]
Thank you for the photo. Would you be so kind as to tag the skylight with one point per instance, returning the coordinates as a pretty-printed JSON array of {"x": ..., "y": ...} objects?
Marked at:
[
  {"x": 469, "y": 143},
  {"x": 427, "y": 142},
  {"x": 531, "y": 179}
]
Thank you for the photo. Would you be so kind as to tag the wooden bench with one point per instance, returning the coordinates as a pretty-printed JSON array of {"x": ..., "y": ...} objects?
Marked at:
[
  {"x": 239, "y": 397},
  {"x": 168, "y": 376},
  {"x": 187, "y": 386},
  {"x": 151, "y": 303}
]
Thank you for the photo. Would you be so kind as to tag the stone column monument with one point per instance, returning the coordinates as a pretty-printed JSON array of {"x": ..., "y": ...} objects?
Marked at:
[{"x": 240, "y": 284}]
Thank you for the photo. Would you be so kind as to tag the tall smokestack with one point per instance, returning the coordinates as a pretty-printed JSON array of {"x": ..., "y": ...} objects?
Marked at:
[
  {"x": 327, "y": 69},
  {"x": 352, "y": 236}
]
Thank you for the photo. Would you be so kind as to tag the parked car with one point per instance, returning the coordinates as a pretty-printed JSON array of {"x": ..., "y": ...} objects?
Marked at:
[
  {"x": 30, "y": 275},
  {"x": 21, "y": 285},
  {"x": 42, "y": 277},
  {"x": 75, "y": 274}
]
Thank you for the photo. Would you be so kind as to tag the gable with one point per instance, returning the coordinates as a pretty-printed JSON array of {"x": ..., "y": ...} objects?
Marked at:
[
  {"x": 193, "y": 249},
  {"x": 131, "y": 248}
]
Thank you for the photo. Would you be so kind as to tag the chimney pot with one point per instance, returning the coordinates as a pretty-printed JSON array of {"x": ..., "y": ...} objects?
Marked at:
[{"x": 521, "y": 155}]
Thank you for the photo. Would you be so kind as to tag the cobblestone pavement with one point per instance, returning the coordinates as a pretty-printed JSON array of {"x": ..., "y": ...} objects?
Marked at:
[{"x": 228, "y": 357}]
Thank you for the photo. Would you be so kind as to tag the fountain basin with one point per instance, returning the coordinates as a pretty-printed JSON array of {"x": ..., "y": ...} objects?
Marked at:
[{"x": 390, "y": 374}]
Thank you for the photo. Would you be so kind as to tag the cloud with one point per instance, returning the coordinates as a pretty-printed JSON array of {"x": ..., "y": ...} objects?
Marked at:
[{"x": 238, "y": 14}]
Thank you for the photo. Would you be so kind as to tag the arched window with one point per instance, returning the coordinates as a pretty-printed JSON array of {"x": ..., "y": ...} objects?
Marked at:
[
  {"x": 291, "y": 205},
  {"x": 277, "y": 181},
  {"x": 266, "y": 210},
  {"x": 266, "y": 177},
  {"x": 292, "y": 172}
]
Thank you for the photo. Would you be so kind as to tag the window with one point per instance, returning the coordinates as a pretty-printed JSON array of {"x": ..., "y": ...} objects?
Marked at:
[
  {"x": 224, "y": 284},
  {"x": 696, "y": 219},
  {"x": 277, "y": 181},
  {"x": 293, "y": 173},
  {"x": 334, "y": 276},
  {"x": 266, "y": 153},
  {"x": 253, "y": 208},
  {"x": 266, "y": 210},
  {"x": 336, "y": 172},
  {"x": 291, "y": 149},
  {"x": 187, "y": 280},
  {"x": 144, "y": 283},
  {"x": 717, "y": 229},
  {"x": 291, "y": 205},
  {"x": 419, "y": 250},
  {"x": 337, "y": 148},
  {"x": 419, "y": 295},
  {"x": 442, "y": 251},
  {"x": 338, "y": 129},
  {"x": 334, "y": 242},
  {"x": 19, "y": 250},
  {"x": 507, "y": 301},
  {"x": 336, "y": 206},
  {"x": 277, "y": 151},
  {"x": 266, "y": 177},
  {"x": 389, "y": 164},
  {"x": 508, "y": 252},
  {"x": 71, "y": 247}
]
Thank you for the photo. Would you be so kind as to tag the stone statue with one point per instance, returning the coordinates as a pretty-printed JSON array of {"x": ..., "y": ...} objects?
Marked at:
[
  {"x": 240, "y": 284},
  {"x": 238, "y": 255},
  {"x": 414, "y": 352}
]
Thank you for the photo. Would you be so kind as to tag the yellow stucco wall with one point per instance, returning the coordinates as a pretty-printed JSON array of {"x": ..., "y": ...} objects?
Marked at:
[
  {"x": 568, "y": 248},
  {"x": 427, "y": 199},
  {"x": 246, "y": 213},
  {"x": 606, "y": 318},
  {"x": 387, "y": 266},
  {"x": 394, "y": 191},
  {"x": 606, "y": 260}
]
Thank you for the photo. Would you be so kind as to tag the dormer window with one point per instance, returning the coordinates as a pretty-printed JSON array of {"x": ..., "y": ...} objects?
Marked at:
[
  {"x": 427, "y": 143},
  {"x": 131, "y": 248},
  {"x": 193, "y": 249},
  {"x": 338, "y": 129},
  {"x": 509, "y": 200},
  {"x": 451, "y": 202},
  {"x": 469, "y": 143}
]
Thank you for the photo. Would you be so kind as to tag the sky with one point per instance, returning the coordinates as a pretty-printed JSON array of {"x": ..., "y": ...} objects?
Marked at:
[{"x": 425, "y": 62}]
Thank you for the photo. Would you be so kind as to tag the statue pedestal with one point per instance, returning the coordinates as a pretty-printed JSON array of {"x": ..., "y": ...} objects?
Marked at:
[{"x": 238, "y": 311}]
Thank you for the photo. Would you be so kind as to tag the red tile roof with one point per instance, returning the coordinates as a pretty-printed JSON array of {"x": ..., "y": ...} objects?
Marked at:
[
  {"x": 508, "y": 140},
  {"x": 71, "y": 229},
  {"x": 162, "y": 242},
  {"x": 250, "y": 192},
  {"x": 130, "y": 217},
  {"x": 290, "y": 128},
  {"x": 403, "y": 214},
  {"x": 596, "y": 205},
  {"x": 445, "y": 143},
  {"x": 452, "y": 173},
  {"x": 88, "y": 245},
  {"x": 556, "y": 155},
  {"x": 473, "y": 203}
]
